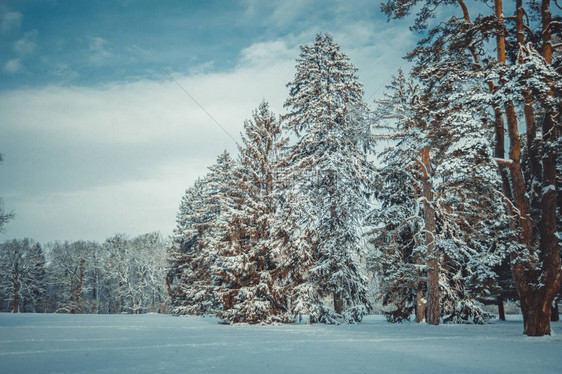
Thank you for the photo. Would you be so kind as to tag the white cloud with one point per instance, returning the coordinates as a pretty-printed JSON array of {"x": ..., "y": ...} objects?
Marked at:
[
  {"x": 268, "y": 53},
  {"x": 143, "y": 113},
  {"x": 98, "y": 50},
  {"x": 286, "y": 11},
  {"x": 98, "y": 44},
  {"x": 62, "y": 70},
  {"x": 13, "y": 66},
  {"x": 10, "y": 21},
  {"x": 27, "y": 44},
  {"x": 123, "y": 115},
  {"x": 147, "y": 111},
  {"x": 133, "y": 207}
]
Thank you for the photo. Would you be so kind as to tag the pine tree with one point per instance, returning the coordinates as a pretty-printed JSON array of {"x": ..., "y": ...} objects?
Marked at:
[
  {"x": 324, "y": 104},
  {"x": 202, "y": 226},
  {"x": 399, "y": 258},
  {"x": 187, "y": 260},
  {"x": 462, "y": 195},
  {"x": 519, "y": 76},
  {"x": 249, "y": 269},
  {"x": 472, "y": 219}
]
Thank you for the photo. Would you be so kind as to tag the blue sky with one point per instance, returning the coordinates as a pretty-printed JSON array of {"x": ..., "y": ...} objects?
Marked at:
[
  {"x": 98, "y": 140},
  {"x": 92, "y": 42}
]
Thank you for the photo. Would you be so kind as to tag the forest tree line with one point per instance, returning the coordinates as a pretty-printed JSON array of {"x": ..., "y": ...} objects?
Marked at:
[
  {"x": 121, "y": 275},
  {"x": 443, "y": 197},
  {"x": 445, "y": 216}
]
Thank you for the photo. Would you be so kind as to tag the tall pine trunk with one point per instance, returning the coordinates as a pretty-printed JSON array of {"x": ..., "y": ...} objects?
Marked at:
[
  {"x": 433, "y": 294},
  {"x": 528, "y": 274},
  {"x": 549, "y": 245}
]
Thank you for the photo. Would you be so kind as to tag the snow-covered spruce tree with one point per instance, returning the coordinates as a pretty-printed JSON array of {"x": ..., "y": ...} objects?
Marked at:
[
  {"x": 398, "y": 259},
  {"x": 201, "y": 225},
  {"x": 187, "y": 260},
  {"x": 472, "y": 219},
  {"x": 414, "y": 155},
  {"x": 249, "y": 269},
  {"x": 324, "y": 110}
]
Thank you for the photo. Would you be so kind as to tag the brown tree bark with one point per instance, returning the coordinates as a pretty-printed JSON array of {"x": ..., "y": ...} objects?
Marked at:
[
  {"x": 536, "y": 303},
  {"x": 554, "y": 313},
  {"x": 536, "y": 282},
  {"x": 517, "y": 180},
  {"x": 499, "y": 131},
  {"x": 421, "y": 306},
  {"x": 549, "y": 253},
  {"x": 529, "y": 112},
  {"x": 433, "y": 294}
]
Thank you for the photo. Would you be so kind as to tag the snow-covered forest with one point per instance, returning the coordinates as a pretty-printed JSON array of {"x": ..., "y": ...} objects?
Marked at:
[
  {"x": 416, "y": 206},
  {"x": 121, "y": 275},
  {"x": 429, "y": 204}
]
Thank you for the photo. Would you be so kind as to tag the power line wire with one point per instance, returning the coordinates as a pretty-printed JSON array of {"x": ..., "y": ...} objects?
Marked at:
[
  {"x": 214, "y": 119},
  {"x": 190, "y": 95},
  {"x": 385, "y": 82}
]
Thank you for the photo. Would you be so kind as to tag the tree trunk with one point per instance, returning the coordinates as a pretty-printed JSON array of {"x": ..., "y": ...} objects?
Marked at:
[
  {"x": 338, "y": 303},
  {"x": 499, "y": 131},
  {"x": 554, "y": 313},
  {"x": 16, "y": 307},
  {"x": 94, "y": 309},
  {"x": 536, "y": 314},
  {"x": 549, "y": 253},
  {"x": 501, "y": 310},
  {"x": 421, "y": 306},
  {"x": 78, "y": 292},
  {"x": 527, "y": 272},
  {"x": 433, "y": 294},
  {"x": 529, "y": 111}
]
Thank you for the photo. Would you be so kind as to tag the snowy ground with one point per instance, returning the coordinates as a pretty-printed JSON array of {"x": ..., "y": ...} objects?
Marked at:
[{"x": 49, "y": 343}]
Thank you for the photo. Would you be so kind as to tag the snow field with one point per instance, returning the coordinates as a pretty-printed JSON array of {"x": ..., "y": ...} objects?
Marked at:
[{"x": 51, "y": 343}]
